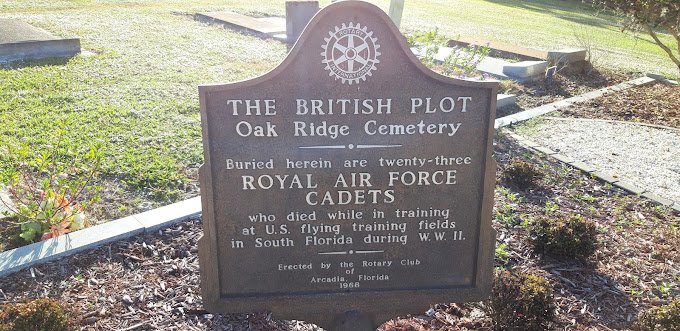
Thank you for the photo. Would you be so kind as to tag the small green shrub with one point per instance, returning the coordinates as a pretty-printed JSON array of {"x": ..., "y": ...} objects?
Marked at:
[
  {"x": 522, "y": 174},
  {"x": 501, "y": 253},
  {"x": 521, "y": 302},
  {"x": 663, "y": 318},
  {"x": 50, "y": 186},
  {"x": 429, "y": 42},
  {"x": 571, "y": 237},
  {"x": 462, "y": 62},
  {"x": 37, "y": 315}
]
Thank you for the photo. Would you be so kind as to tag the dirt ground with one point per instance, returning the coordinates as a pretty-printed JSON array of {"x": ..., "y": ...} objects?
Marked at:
[
  {"x": 653, "y": 104},
  {"x": 562, "y": 86}
]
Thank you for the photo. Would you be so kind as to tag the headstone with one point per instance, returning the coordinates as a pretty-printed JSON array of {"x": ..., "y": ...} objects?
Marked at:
[
  {"x": 525, "y": 70},
  {"x": 396, "y": 10},
  {"x": 567, "y": 55},
  {"x": 500, "y": 49},
  {"x": 264, "y": 27},
  {"x": 298, "y": 14},
  {"x": 505, "y": 100},
  {"x": 522, "y": 71},
  {"x": 348, "y": 185},
  {"x": 570, "y": 59},
  {"x": 20, "y": 41}
]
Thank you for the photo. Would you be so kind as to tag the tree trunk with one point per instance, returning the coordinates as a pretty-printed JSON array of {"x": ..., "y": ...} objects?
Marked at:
[{"x": 663, "y": 46}]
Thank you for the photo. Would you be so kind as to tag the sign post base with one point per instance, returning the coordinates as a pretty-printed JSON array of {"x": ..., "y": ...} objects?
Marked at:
[{"x": 354, "y": 320}]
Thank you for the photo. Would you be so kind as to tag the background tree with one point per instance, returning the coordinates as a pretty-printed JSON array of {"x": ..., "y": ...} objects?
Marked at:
[{"x": 650, "y": 16}]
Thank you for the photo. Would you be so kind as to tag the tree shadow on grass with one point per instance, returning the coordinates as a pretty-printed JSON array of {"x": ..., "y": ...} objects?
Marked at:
[
  {"x": 556, "y": 9},
  {"x": 593, "y": 18}
]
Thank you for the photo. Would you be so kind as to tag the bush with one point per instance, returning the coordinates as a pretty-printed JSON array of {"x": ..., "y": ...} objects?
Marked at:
[
  {"x": 663, "y": 318},
  {"x": 572, "y": 237},
  {"x": 37, "y": 315},
  {"x": 522, "y": 174},
  {"x": 462, "y": 62},
  {"x": 521, "y": 302},
  {"x": 50, "y": 186}
]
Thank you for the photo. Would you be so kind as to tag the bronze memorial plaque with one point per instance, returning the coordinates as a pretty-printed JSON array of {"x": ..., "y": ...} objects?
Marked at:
[{"x": 348, "y": 178}]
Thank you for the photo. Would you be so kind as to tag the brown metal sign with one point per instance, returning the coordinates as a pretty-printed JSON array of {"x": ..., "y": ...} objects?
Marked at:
[{"x": 350, "y": 177}]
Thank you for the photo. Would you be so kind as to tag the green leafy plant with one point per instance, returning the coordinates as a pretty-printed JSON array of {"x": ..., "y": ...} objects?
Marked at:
[
  {"x": 506, "y": 215},
  {"x": 464, "y": 61},
  {"x": 571, "y": 237},
  {"x": 550, "y": 207},
  {"x": 41, "y": 314},
  {"x": 521, "y": 301},
  {"x": 50, "y": 185},
  {"x": 624, "y": 215},
  {"x": 585, "y": 197},
  {"x": 461, "y": 62},
  {"x": 502, "y": 252},
  {"x": 663, "y": 318},
  {"x": 635, "y": 292},
  {"x": 427, "y": 44},
  {"x": 512, "y": 196},
  {"x": 665, "y": 288},
  {"x": 522, "y": 174},
  {"x": 525, "y": 221}
]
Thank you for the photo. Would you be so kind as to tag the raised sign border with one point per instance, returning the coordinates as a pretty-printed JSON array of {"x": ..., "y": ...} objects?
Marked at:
[{"x": 322, "y": 309}]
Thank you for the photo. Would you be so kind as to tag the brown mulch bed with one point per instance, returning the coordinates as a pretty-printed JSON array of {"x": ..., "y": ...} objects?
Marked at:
[
  {"x": 639, "y": 251},
  {"x": 640, "y": 245},
  {"x": 562, "y": 86},
  {"x": 654, "y": 104},
  {"x": 151, "y": 282}
]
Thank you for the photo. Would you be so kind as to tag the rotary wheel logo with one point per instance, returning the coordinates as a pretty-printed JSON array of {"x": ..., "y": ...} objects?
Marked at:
[{"x": 350, "y": 53}]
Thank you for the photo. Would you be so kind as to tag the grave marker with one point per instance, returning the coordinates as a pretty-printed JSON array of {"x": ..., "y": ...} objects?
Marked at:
[
  {"x": 20, "y": 41},
  {"x": 349, "y": 184},
  {"x": 298, "y": 14}
]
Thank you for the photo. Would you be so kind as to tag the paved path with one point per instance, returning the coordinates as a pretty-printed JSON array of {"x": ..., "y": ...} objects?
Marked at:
[{"x": 646, "y": 156}]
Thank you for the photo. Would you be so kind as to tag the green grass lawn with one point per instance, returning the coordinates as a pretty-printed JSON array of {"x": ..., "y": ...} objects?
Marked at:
[
  {"x": 545, "y": 25},
  {"x": 138, "y": 92}
]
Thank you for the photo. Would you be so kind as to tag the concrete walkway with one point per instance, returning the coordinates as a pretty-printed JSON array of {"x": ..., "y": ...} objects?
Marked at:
[{"x": 642, "y": 155}]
